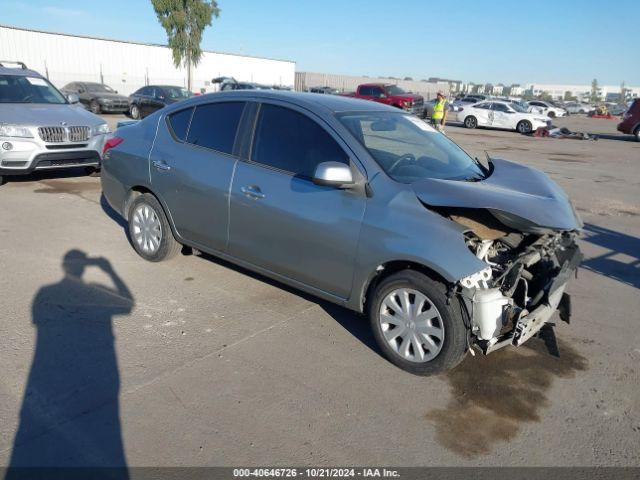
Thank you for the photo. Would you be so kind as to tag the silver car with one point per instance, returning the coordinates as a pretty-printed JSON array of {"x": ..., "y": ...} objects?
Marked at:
[
  {"x": 357, "y": 203},
  {"x": 40, "y": 129}
]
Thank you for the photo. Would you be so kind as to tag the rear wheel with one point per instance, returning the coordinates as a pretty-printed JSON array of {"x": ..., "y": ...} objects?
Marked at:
[
  {"x": 3, "y": 180},
  {"x": 415, "y": 326},
  {"x": 551, "y": 114},
  {"x": 149, "y": 230},
  {"x": 636, "y": 133},
  {"x": 524, "y": 127},
  {"x": 471, "y": 122}
]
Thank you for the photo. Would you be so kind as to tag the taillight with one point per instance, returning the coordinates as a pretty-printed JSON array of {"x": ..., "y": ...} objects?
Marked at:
[{"x": 112, "y": 142}]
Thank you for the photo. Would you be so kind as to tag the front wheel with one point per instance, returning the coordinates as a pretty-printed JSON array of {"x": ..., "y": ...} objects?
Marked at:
[
  {"x": 636, "y": 133},
  {"x": 415, "y": 325},
  {"x": 95, "y": 107},
  {"x": 149, "y": 230},
  {"x": 471, "y": 122},
  {"x": 524, "y": 127}
]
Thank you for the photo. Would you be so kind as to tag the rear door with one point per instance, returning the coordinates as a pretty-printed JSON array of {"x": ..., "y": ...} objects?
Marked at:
[
  {"x": 192, "y": 163},
  {"x": 280, "y": 220},
  {"x": 482, "y": 111}
]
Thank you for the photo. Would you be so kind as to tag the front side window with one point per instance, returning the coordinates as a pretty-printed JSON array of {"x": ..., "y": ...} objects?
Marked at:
[
  {"x": 408, "y": 149},
  {"x": 214, "y": 125},
  {"x": 366, "y": 91},
  {"x": 24, "y": 89},
  {"x": 179, "y": 123},
  {"x": 290, "y": 141}
]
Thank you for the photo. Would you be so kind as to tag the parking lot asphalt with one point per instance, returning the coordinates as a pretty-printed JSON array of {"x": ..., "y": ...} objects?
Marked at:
[{"x": 197, "y": 362}]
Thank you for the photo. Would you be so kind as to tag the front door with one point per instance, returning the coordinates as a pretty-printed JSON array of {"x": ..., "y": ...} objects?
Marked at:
[
  {"x": 191, "y": 167},
  {"x": 282, "y": 221}
]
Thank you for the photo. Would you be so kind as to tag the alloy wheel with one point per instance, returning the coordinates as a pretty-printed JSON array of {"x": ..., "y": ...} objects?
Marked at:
[{"x": 412, "y": 325}]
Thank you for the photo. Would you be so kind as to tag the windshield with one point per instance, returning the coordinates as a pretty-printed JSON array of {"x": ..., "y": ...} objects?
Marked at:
[
  {"x": 99, "y": 88},
  {"x": 22, "y": 89},
  {"x": 394, "y": 90},
  {"x": 408, "y": 149},
  {"x": 518, "y": 108},
  {"x": 177, "y": 92}
]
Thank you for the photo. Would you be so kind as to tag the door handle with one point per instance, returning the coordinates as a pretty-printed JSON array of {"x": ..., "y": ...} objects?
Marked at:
[
  {"x": 161, "y": 165},
  {"x": 252, "y": 191}
]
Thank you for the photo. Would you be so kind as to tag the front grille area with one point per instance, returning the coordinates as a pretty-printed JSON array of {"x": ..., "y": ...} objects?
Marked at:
[
  {"x": 66, "y": 159},
  {"x": 64, "y": 134}
]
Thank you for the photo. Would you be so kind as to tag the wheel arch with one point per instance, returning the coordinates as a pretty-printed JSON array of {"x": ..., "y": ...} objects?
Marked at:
[
  {"x": 391, "y": 267},
  {"x": 135, "y": 192}
]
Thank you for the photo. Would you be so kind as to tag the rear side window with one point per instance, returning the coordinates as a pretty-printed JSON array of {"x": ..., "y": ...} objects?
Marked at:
[
  {"x": 214, "y": 125},
  {"x": 290, "y": 141},
  {"x": 179, "y": 123}
]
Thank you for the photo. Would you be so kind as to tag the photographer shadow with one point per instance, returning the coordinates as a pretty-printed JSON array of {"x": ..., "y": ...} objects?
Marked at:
[{"x": 70, "y": 412}]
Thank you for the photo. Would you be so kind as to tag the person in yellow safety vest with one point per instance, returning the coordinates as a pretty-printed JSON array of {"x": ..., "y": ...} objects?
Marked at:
[{"x": 439, "y": 115}]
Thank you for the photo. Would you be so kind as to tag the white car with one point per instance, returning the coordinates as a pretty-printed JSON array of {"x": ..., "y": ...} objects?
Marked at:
[
  {"x": 577, "y": 107},
  {"x": 546, "y": 108},
  {"x": 499, "y": 114}
]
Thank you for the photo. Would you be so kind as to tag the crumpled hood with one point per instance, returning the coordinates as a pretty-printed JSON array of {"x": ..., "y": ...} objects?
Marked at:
[
  {"x": 38, "y": 115},
  {"x": 512, "y": 189}
]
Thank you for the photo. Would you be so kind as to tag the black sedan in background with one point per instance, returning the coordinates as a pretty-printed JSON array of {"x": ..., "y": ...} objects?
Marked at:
[
  {"x": 147, "y": 100},
  {"x": 98, "y": 97}
]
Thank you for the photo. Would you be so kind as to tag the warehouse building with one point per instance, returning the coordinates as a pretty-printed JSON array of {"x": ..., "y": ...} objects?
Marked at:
[{"x": 127, "y": 66}]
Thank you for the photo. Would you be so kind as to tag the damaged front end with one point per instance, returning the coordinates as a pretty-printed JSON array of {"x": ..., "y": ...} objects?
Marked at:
[{"x": 524, "y": 282}]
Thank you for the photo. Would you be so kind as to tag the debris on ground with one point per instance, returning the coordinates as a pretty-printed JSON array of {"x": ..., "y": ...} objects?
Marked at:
[{"x": 562, "y": 132}]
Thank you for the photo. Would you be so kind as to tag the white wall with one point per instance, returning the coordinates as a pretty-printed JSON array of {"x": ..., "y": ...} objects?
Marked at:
[{"x": 127, "y": 66}]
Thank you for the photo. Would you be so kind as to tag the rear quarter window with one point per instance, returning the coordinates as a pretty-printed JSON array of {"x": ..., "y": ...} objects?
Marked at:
[
  {"x": 214, "y": 125},
  {"x": 179, "y": 123}
]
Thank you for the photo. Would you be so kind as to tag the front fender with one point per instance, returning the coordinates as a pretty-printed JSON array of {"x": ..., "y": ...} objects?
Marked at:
[{"x": 403, "y": 229}]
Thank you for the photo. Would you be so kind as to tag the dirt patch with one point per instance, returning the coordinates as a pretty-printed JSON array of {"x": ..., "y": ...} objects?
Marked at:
[
  {"x": 83, "y": 189},
  {"x": 607, "y": 207},
  {"x": 492, "y": 396}
]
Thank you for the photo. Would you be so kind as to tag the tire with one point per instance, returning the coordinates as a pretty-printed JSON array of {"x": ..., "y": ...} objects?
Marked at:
[
  {"x": 636, "y": 133},
  {"x": 551, "y": 114},
  {"x": 147, "y": 215},
  {"x": 524, "y": 127},
  {"x": 3, "y": 180},
  {"x": 135, "y": 112},
  {"x": 470, "y": 122},
  {"x": 94, "y": 106},
  {"x": 451, "y": 348}
]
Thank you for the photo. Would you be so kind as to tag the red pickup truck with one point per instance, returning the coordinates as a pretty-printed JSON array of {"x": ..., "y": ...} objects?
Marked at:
[{"x": 390, "y": 94}]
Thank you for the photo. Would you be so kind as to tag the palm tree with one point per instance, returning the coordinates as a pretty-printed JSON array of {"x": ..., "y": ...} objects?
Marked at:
[{"x": 184, "y": 21}]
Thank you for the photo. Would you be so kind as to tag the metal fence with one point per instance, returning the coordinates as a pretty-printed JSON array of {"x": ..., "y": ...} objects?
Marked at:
[{"x": 346, "y": 83}]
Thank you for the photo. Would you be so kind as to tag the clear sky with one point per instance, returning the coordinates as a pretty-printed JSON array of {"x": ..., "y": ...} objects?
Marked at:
[{"x": 544, "y": 41}]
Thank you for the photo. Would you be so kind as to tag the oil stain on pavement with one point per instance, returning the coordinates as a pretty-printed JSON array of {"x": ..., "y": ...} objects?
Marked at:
[
  {"x": 492, "y": 396},
  {"x": 86, "y": 189}
]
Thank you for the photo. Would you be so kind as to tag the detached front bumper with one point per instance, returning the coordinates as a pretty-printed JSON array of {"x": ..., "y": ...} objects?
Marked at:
[{"x": 498, "y": 324}]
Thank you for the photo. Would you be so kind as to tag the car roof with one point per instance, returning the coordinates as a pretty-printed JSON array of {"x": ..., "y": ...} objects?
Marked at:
[
  {"x": 311, "y": 101},
  {"x": 18, "y": 71}
]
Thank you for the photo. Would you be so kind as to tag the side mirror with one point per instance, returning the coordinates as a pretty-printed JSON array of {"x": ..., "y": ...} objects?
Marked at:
[
  {"x": 72, "y": 98},
  {"x": 333, "y": 174}
]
